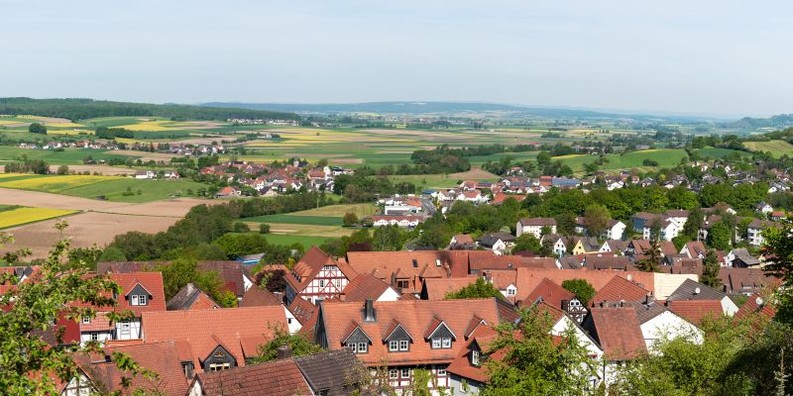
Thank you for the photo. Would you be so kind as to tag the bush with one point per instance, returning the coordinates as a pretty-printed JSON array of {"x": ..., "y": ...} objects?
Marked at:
[
  {"x": 350, "y": 219},
  {"x": 37, "y": 128},
  {"x": 264, "y": 228}
]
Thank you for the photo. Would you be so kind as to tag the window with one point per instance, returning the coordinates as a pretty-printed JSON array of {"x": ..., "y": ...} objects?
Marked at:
[
  {"x": 338, "y": 283},
  {"x": 447, "y": 342},
  {"x": 321, "y": 283},
  {"x": 328, "y": 267},
  {"x": 219, "y": 366},
  {"x": 133, "y": 299},
  {"x": 403, "y": 345},
  {"x": 94, "y": 336},
  {"x": 436, "y": 343},
  {"x": 405, "y": 372},
  {"x": 441, "y": 372},
  {"x": 403, "y": 284},
  {"x": 353, "y": 347},
  {"x": 142, "y": 300},
  {"x": 511, "y": 292},
  {"x": 475, "y": 357},
  {"x": 125, "y": 328},
  {"x": 393, "y": 374},
  {"x": 362, "y": 347},
  {"x": 86, "y": 319},
  {"x": 393, "y": 346}
]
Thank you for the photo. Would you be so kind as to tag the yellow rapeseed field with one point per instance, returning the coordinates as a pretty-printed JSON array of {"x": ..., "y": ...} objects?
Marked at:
[
  {"x": 15, "y": 217},
  {"x": 54, "y": 183}
]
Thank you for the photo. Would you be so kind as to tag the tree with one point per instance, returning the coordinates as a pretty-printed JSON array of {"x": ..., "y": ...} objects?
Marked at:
[
  {"x": 264, "y": 228},
  {"x": 652, "y": 260},
  {"x": 63, "y": 170},
  {"x": 527, "y": 243},
  {"x": 350, "y": 219},
  {"x": 710, "y": 270},
  {"x": 596, "y": 219},
  {"x": 779, "y": 244},
  {"x": 37, "y": 128},
  {"x": 185, "y": 270},
  {"x": 534, "y": 363},
  {"x": 479, "y": 289},
  {"x": 696, "y": 220},
  {"x": 32, "y": 314},
  {"x": 719, "y": 236},
  {"x": 298, "y": 344},
  {"x": 582, "y": 289},
  {"x": 272, "y": 280},
  {"x": 387, "y": 238}
]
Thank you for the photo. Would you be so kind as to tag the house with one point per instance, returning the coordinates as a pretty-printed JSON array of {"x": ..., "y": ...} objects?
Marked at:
[
  {"x": 216, "y": 339},
  {"x": 367, "y": 286},
  {"x": 462, "y": 242},
  {"x": 406, "y": 221},
  {"x": 405, "y": 335},
  {"x": 498, "y": 242},
  {"x": 228, "y": 192},
  {"x": 332, "y": 373},
  {"x": 190, "y": 297},
  {"x": 657, "y": 322},
  {"x": 746, "y": 281},
  {"x": 406, "y": 270},
  {"x": 691, "y": 290},
  {"x": 740, "y": 258},
  {"x": 764, "y": 208},
  {"x": 585, "y": 245},
  {"x": 557, "y": 297},
  {"x": 607, "y": 262},
  {"x": 144, "y": 174},
  {"x": 317, "y": 276},
  {"x": 614, "y": 230},
  {"x": 620, "y": 290},
  {"x": 535, "y": 226},
  {"x": 694, "y": 249},
  {"x": 140, "y": 292},
  {"x": 754, "y": 231},
  {"x": 616, "y": 329},
  {"x": 614, "y": 246},
  {"x": 558, "y": 243}
]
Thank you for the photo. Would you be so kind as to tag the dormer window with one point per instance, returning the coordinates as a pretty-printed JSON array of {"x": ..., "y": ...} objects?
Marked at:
[
  {"x": 441, "y": 343},
  {"x": 358, "y": 341},
  {"x": 439, "y": 335},
  {"x": 138, "y": 300},
  {"x": 358, "y": 347},
  {"x": 138, "y": 296},
  {"x": 398, "y": 339},
  {"x": 475, "y": 357}
]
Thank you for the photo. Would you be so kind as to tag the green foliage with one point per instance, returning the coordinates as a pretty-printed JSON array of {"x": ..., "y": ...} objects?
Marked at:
[
  {"x": 479, "y": 289},
  {"x": 37, "y": 128},
  {"x": 652, "y": 260},
  {"x": 534, "y": 364},
  {"x": 779, "y": 244},
  {"x": 582, "y": 289},
  {"x": 527, "y": 243},
  {"x": 350, "y": 219},
  {"x": 185, "y": 270},
  {"x": 596, "y": 219},
  {"x": 710, "y": 270},
  {"x": 299, "y": 345},
  {"x": 696, "y": 221},
  {"x": 264, "y": 228},
  {"x": 388, "y": 238},
  {"x": 719, "y": 236}
]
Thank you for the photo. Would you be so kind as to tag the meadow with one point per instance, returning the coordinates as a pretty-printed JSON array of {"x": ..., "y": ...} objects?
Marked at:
[
  {"x": 66, "y": 157},
  {"x": 777, "y": 148},
  {"x": 12, "y": 217},
  {"x": 111, "y": 188},
  {"x": 634, "y": 159}
]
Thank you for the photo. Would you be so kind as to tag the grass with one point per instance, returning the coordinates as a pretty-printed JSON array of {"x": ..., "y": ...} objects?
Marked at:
[
  {"x": 666, "y": 158},
  {"x": 776, "y": 148},
  {"x": 714, "y": 152},
  {"x": 65, "y": 157},
  {"x": 290, "y": 219},
  {"x": 21, "y": 216},
  {"x": 360, "y": 210},
  {"x": 306, "y": 241},
  {"x": 428, "y": 181}
]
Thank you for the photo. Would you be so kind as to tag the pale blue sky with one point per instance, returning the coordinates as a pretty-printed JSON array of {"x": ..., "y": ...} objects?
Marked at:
[{"x": 716, "y": 57}]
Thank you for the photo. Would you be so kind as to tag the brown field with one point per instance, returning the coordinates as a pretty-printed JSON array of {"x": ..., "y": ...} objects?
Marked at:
[
  {"x": 85, "y": 229},
  {"x": 55, "y": 201},
  {"x": 144, "y": 156},
  {"x": 475, "y": 173}
]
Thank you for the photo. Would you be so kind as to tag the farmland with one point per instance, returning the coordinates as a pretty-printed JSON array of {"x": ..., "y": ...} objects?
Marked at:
[
  {"x": 777, "y": 148},
  {"x": 14, "y": 217},
  {"x": 110, "y": 188},
  {"x": 310, "y": 227},
  {"x": 634, "y": 159}
]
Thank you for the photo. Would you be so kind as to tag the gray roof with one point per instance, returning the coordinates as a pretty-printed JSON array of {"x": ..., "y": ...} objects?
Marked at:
[
  {"x": 687, "y": 291},
  {"x": 645, "y": 313},
  {"x": 331, "y": 373},
  {"x": 184, "y": 298}
]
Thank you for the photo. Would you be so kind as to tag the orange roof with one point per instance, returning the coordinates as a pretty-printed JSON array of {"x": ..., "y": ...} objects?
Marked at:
[
  {"x": 416, "y": 317},
  {"x": 258, "y": 297},
  {"x": 695, "y": 311},
  {"x": 204, "y": 330},
  {"x": 436, "y": 289},
  {"x": 276, "y": 378},
  {"x": 151, "y": 281},
  {"x": 483, "y": 336},
  {"x": 620, "y": 289},
  {"x": 751, "y": 306},
  {"x": 364, "y": 286},
  {"x": 551, "y": 293},
  {"x": 311, "y": 264},
  {"x": 404, "y": 264},
  {"x": 529, "y": 278}
]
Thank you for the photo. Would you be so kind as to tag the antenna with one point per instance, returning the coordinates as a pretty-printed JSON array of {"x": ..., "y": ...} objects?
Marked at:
[
  {"x": 697, "y": 291},
  {"x": 759, "y": 301}
]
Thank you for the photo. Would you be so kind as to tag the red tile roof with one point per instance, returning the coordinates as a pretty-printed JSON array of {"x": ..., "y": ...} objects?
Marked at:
[
  {"x": 695, "y": 311},
  {"x": 203, "y": 330},
  {"x": 551, "y": 293},
  {"x": 461, "y": 365},
  {"x": 529, "y": 278},
  {"x": 617, "y": 331},
  {"x": 258, "y": 297},
  {"x": 276, "y": 378},
  {"x": 620, "y": 289},
  {"x": 362, "y": 287},
  {"x": 311, "y": 264},
  {"x": 151, "y": 281},
  {"x": 436, "y": 289},
  {"x": 416, "y": 317}
]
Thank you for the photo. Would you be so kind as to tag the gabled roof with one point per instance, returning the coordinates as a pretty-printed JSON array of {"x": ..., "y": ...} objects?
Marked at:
[
  {"x": 417, "y": 317},
  {"x": 191, "y": 297},
  {"x": 362, "y": 287},
  {"x": 691, "y": 290},
  {"x": 436, "y": 289},
  {"x": 480, "y": 339},
  {"x": 550, "y": 293},
  {"x": 303, "y": 310},
  {"x": 538, "y": 221},
  {"x": 258, "y": 297},
  {"x": 608, "y": 261},
  {"x": 330, "y": 373},
  {"x": 278, "y": 378},
  {"x": 645, "y": 312},
  {"x": 312, "y": 263},
  {"x": 436, "y": 324},
  {"x": 392, "y": 328},
  {"x": 231, "y": 273},
  {"x": 696, "y": 310},
  {"x": 529, "y": 278},
  {"x": 159, "y": 357},
  {"x": 240, "y": 330},
  {"x": 620, "y": 289},
  {"x": 617, "y": 331},
  {"x": 756, "y": 304},
  {"x": 150, "y": 281}
]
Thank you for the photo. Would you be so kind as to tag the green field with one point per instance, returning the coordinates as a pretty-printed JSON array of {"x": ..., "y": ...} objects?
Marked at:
[
  {"x": 112, "y": 188},
  {"x": 306, "y": 241},
  {"x": 291, "y": 219},
  {"x": 776, "y": 148},
  {"x": 666, "y": 158},
  {"x": 714, "y": 152},
  {"x": 65, "y": 157}
]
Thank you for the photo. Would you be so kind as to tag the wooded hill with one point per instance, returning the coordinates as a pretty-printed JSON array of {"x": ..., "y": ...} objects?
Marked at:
[{"x": 80, "y": 109}]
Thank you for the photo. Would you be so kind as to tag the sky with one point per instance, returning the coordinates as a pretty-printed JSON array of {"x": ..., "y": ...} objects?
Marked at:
[{"x": 721, "y": 58}]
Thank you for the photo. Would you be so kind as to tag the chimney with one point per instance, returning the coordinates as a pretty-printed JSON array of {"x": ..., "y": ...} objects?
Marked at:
[
  {"x": 649, "y": 300},
  {"x": 368, "y": 311},
  {"x": 284, "y": 352}
]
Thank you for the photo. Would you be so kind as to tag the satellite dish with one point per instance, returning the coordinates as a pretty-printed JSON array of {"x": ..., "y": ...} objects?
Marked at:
[
  {"x": 630, "y": 277},
  {"x": 696, "y": 290},
  {"x": 759, "y": 301}
]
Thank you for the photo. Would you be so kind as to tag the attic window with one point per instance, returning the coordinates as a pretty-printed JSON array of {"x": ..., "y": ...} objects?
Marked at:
[
  {"x": 475, "y": 357},
  {"x": 415, "y": 263},
  {"x": 137, "y": 300}
]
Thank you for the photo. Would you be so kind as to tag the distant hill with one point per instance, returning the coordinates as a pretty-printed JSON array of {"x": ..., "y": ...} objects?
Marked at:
[
  {"x": 80, "y": 109},
  {"x": 447, "y": 108},
  {"x": 780, "y": 121}
]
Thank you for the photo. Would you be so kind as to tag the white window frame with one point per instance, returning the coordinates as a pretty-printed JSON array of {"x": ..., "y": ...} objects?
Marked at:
[
  {"x": 511, "y": 291},
  {"x": 363, "y": 347},
  {"x": 321, "y": 283},
  {"x": 446, "y": 342},
  {"x": 404, "y": 345},
  {"x": 338, "y": 283},
  {"x": 86, "y": 320},
  {"x": 436, "y": 343},
  {"x": 393, "y": 346},
  {"x": 126, "y": 328},
  {"x": 353, "y": 347},
  {"x": 94, "y": 336},
  {"x": 403, "y": 371},
  {"x": 475, "y": 358},
  {"x": 133, "y": 300},
  {"x": 143, "y": 299},
  {"x": 393, "y": 374},
  {"x": 440, "y": 372},
  {"x": 219, "y": 366}
]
